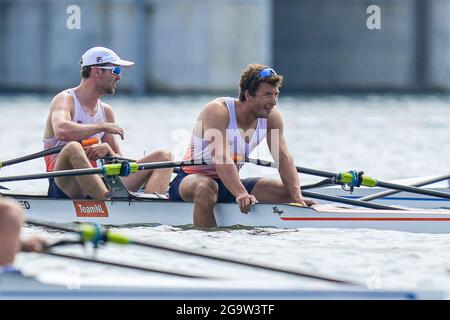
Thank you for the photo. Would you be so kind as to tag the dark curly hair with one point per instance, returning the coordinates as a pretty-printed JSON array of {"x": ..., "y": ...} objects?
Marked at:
[{"x": 250, "y": 80}]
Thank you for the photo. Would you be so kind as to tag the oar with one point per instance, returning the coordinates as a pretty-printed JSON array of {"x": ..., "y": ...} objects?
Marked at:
[
  {"x": 348, "y": 177},
  {"x": 112, "y": 158},
  {"x": 169, "y": 164},
  {"x": 321, "y": 196},
  {"x": 44, "y": 153},
  {"x": 92, "y": 233},
  {"x": 121, "y": 240},
  {"x": 126, "y": 168},
  {"x": 123, "y": 265},
  {"x": 320, "y": 184},
  {"x": 113, "y": 169},
  {"x": 54, "y": 174},
  {"x": 391, "y": 192},
  {"x": 358, "y": 203},
  {"x": 110, "y": 263}
]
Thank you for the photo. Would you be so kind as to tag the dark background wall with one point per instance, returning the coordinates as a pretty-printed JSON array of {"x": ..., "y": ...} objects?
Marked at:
[{"x": 321, "y": 44}]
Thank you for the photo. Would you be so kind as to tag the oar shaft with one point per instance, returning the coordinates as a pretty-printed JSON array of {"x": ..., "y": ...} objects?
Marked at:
[
  {"x": 321, "y": 196},
  {"x": 122, "y": 265},
  {"x": 50, "y": 226},
  {"x": 427, "y": 192},
  {"x": 391, "y": 192},
  {"x": 119, "y": 239},
  {"x": 54, "y": 174},
  {"x": 44, "y": 153},
  {"x": 374, "y": 183},
  {"x": 320, "y": 184},
  {"x": 173, "y": 164},
  {"x": 240, "y": 262},
  {"x": 31, "y": 156},
  {"x": 111, "y": 158},
  {"x": 108, "y": 169},
  {"x": 309, "y": 171}
]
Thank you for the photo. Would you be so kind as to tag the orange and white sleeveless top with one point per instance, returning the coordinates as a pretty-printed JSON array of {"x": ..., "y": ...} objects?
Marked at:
[
  {"x": 239, "y": 149},
  {"x": 80, "y": 116}
]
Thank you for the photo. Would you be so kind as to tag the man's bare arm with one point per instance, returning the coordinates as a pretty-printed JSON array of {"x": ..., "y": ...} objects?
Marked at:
[
  {"x": 65, "y": 129},
  {"x": 109, "y": 138},
  {"x": 280, "y": 152},
  {"x": 215, "y": 122},
  {"x": 214, "y": 119}
]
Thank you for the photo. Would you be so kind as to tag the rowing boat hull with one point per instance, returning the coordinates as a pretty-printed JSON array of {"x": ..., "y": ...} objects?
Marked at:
[
  {"x": 17, "y": 287},
  {"x": 139, "y": 212},
  {"x": 13, "y": 287}
]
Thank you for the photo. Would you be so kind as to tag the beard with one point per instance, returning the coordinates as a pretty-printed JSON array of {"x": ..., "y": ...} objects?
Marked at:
[
  {"x": 265, "y": 113},
  {"x": 111, "y": 89}
]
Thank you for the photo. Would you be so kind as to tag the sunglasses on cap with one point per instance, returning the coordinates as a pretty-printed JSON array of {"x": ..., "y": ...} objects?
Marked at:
[
  {"x": 267, "y": 72},
  {"x": 116, "y": 70}
]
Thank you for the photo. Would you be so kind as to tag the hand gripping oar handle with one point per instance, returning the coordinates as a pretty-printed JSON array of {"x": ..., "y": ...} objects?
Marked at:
[{"x": 43, "y": 153}]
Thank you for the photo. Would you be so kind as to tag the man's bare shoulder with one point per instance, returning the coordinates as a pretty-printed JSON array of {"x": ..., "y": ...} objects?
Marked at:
[
  {"x": 216, "y": 108},
  {"x": 107, "y": 106},
  {"x": 275, "y": 120},
  {"x": 214, "y": 114},
  {"x": 108, "y": 112},
  {"x": 62, "y": 101}
]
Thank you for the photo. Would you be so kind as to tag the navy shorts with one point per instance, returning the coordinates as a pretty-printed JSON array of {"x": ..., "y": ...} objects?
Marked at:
[
  {"x": 54, "y": 191},
  {"x": 224, "y": 194}
]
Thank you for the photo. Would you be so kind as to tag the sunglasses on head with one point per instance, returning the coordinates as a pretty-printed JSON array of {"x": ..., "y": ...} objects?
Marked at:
[
  {"x": 267, "y": 72},
  {"x": 116, "y": 70}
]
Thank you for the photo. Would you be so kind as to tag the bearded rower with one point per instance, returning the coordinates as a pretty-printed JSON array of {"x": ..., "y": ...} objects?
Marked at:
[
  {"x": 78, "y": 114},
  {"x": 227, "y": 130}
]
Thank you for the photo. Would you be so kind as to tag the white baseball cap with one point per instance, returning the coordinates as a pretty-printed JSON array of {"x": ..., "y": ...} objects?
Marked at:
[{"x": 99, "y": 55}]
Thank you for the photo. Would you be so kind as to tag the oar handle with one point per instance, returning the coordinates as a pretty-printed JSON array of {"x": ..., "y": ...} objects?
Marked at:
[{"x": 88, "y": 142}]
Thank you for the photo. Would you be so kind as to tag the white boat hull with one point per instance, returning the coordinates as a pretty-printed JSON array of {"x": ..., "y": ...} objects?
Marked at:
[
  {"x": 124, "y": 212},
  {"x": 13, "y": 287}
]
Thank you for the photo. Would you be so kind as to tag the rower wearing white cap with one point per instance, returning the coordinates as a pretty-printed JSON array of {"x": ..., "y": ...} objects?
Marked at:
[{"x": 78, "y": 114}]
